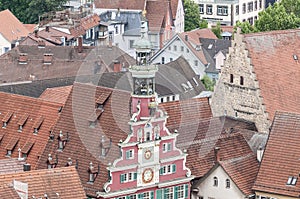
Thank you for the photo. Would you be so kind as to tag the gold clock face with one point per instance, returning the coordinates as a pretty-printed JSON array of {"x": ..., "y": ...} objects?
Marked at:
[
  {"x": 147, "y": 175},
  {"x": 147, "y": 154}
]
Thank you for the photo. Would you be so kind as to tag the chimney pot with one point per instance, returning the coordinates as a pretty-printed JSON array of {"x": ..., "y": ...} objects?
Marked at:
[
  {"x": 217, "y": 154},
  {"x": 26, "y": 167},
  {"x": 80, "y": 48},
  {"x": 117, "y": 66}
]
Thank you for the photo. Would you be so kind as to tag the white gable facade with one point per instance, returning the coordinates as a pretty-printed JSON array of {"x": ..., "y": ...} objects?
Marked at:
[
  {"x": 179, "y": 20},
  {"x": 176, "y": 48},
  {"x": 209, "y": 190},
  {"x": 5, "y": 45}
]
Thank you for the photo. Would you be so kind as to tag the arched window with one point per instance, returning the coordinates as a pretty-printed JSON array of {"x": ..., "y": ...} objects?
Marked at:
[
  {"x": 215, "y": 181},
  {"x": 227, "y": 183},
  {"x": 241, "y": 80},
  {"x": 231, "y": 78}
]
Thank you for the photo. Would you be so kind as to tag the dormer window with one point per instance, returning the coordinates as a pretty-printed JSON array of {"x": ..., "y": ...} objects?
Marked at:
[
  {"x": 20, "y": 128},
  {"x": 22, "y": 122},
  {"x": 92, "y": 173},
  {"x": 26, "y": 149},
  {"x": 105, "y": 146},
  {"x": 292, "y": 180},
  {"x": 6, "y": 119},
  {"x": 11, "y": 145},
  {"x": 37, "y": 125},
  {"x": 69, "y": 163}
]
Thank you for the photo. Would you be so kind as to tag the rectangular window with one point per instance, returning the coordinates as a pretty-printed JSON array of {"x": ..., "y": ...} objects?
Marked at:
[
  {"x": 244, "y": 8},
  {"x": 196, "y": 62},
  {"x": 260, "y": 4},
  {"x": 169, "y": 193},
  {"x": 250, "y": 6},
  {"x": 131, "y": 42},
  {"x": 209, "y": 9},
  {"x": 162, "y": 60},
  {"x": 171, "y": 59},
  {"x": 128, "y": 177},
  {"x": 6, "y": 49},
  {"x": 250, "y": 20},
  {"x": 167, "y": 169},
  {"x": 201, "y": 8},
  {"x": 129, "y": 154},
  {"x": 166, "y": 147},
  {"x": 255, "y": 5},
  {"x": 182, "y": 48},
  {"x": 237, "y": 11},
  {"x": 175, "y": 48},
  {"x": 222, "y": 10},
  {"x": 180, "y": 192}
]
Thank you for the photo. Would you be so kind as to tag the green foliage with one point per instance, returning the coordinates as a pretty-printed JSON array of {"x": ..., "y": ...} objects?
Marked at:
[
  {"x": 192, "y": 16},
  {"x": 28, "y": 11},
  {"x": 217, "y": 30},
  {"x": 208, "y": 83},
  {"x": 245, "y": 27},
  {"x": 281, "y": 16},
  {"x": 276, "y": 18}
]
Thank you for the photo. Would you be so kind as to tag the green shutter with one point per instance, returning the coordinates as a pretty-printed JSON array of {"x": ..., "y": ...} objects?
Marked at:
[
  {"x": 151, "y": 195},
  {"x": 169, "y": 146},
  {"x": 134, "y": 175},
  {"x": 140, "y": 196},
  {"x": 159, "y": 194},
  {"x": 173, "y": 168},
  {"x": 175, "y": 192},
  {"x": 122, "y": 178},
  {"x": 161, "y": 171},
  {"x": 186, "y": 189},
  {"x": 127, "y": 154}
]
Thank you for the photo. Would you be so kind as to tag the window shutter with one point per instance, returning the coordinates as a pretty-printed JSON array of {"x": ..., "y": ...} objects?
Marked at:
[
  {"x": 161, "y": 171},
  {"x": 175, "y": 192},
  {"x": 159, "y": 194},
  {"x": 151, "y": 195},
  {"x": 173, "y": 168},
  {"x": 134, "y": 176},
  {"x": 122, "y": 178},
  {"x": 169, "y": 146},
  {"x": 140, "y": 196},
  {"x": 186, "y": 191}
]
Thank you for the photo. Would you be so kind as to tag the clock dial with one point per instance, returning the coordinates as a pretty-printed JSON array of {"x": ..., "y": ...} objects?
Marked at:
[
  {"x": 147, "y": 175},
  {"x": 148, "y": 154}
]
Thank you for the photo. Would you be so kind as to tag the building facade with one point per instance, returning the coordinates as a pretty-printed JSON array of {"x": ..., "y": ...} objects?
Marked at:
[
  {"x": 151, "y": 166},
  {"x": 229, "y": 12}
]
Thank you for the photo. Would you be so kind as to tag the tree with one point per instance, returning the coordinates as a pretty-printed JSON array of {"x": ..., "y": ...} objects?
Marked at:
[
  {"x": 192, "y": 16},
  {"x": 276, "y": 18},
  {"x": 217, "y": 30},
  {"x": 208, "y": 83},
  {"x": 245, "y": 27},
  {"x": 28, "y": 11},
  {"x": 291, "y": 6}
]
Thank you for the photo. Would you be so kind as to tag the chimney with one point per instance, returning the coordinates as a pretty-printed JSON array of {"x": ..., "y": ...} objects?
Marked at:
[
  {"x": 186, "y": 38},
  {"x": 36, "y": 33},
  {"x": 217, "y": 154},
  {"x": 259, "y": 153},
  {"x": 47, "y": 28},
  {"x": 80, "y": 48},
  {"x": 117, "y": 66},
  {"x": 26, "y": 167}
]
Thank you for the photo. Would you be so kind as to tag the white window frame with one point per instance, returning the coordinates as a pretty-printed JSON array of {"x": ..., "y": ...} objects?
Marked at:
[
  {"x": 167, "y": 147},
  {"x": 131, "y": 154}
]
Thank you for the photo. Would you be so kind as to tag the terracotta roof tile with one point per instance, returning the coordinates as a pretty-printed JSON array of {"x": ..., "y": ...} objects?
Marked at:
[
  {"x": 281, "y": 157},
  {"x": 121, "y": 4},
  {"x": 83, "y": 145},
  {"x": 10, "y": 27},
  {"x": 60, "y": 182},
  {"x": 8, "y": 192},
  {"x": 156, "y": 11},
  {"x": 57, "y": 94},
  {"x": 174, "y": 6},
  {"x": 32, "y": 109},
  {"x": 242, "y": 171},
  {"x": 28, "y": 145},
  {"x": 30, "y": 27},
  {"x": 11, "y": 165},
  {"x": 272, "y": 59}
]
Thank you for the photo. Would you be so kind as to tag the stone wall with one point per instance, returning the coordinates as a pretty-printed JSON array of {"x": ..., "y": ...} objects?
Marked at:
[{"x": 235, "y": 98}]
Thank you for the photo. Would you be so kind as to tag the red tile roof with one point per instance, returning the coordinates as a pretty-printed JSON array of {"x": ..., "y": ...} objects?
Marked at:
[
  {"x": 11, "y": 165},
  {"x": 8, "y": 192},
  {"x": 156, "y": 14},
  {"x": 242, "y": 171},
  {"x": 121, "y": 4},
  {"x": 30, "y": 27},
  {"x": 10, "y": 27},
  {"x": 281, "y": 157},
  {"x": 174, "y": 6},
  {"x": 276, "y": 69},
  {"x": 56, "y": 183},
  {"x": 83, "y": 144},
  {"x": 57, "y": 94},
  {"x": 32, "y": 113}
]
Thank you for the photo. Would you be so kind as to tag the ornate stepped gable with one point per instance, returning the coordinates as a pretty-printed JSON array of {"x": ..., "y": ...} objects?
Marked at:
[{"x": 151, "y": 166}]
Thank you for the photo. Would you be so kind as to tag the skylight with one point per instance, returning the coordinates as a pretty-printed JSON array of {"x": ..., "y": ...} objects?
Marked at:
[
  {"x": 210, "y": 46},
  {"x": 292, "y": 180}
]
